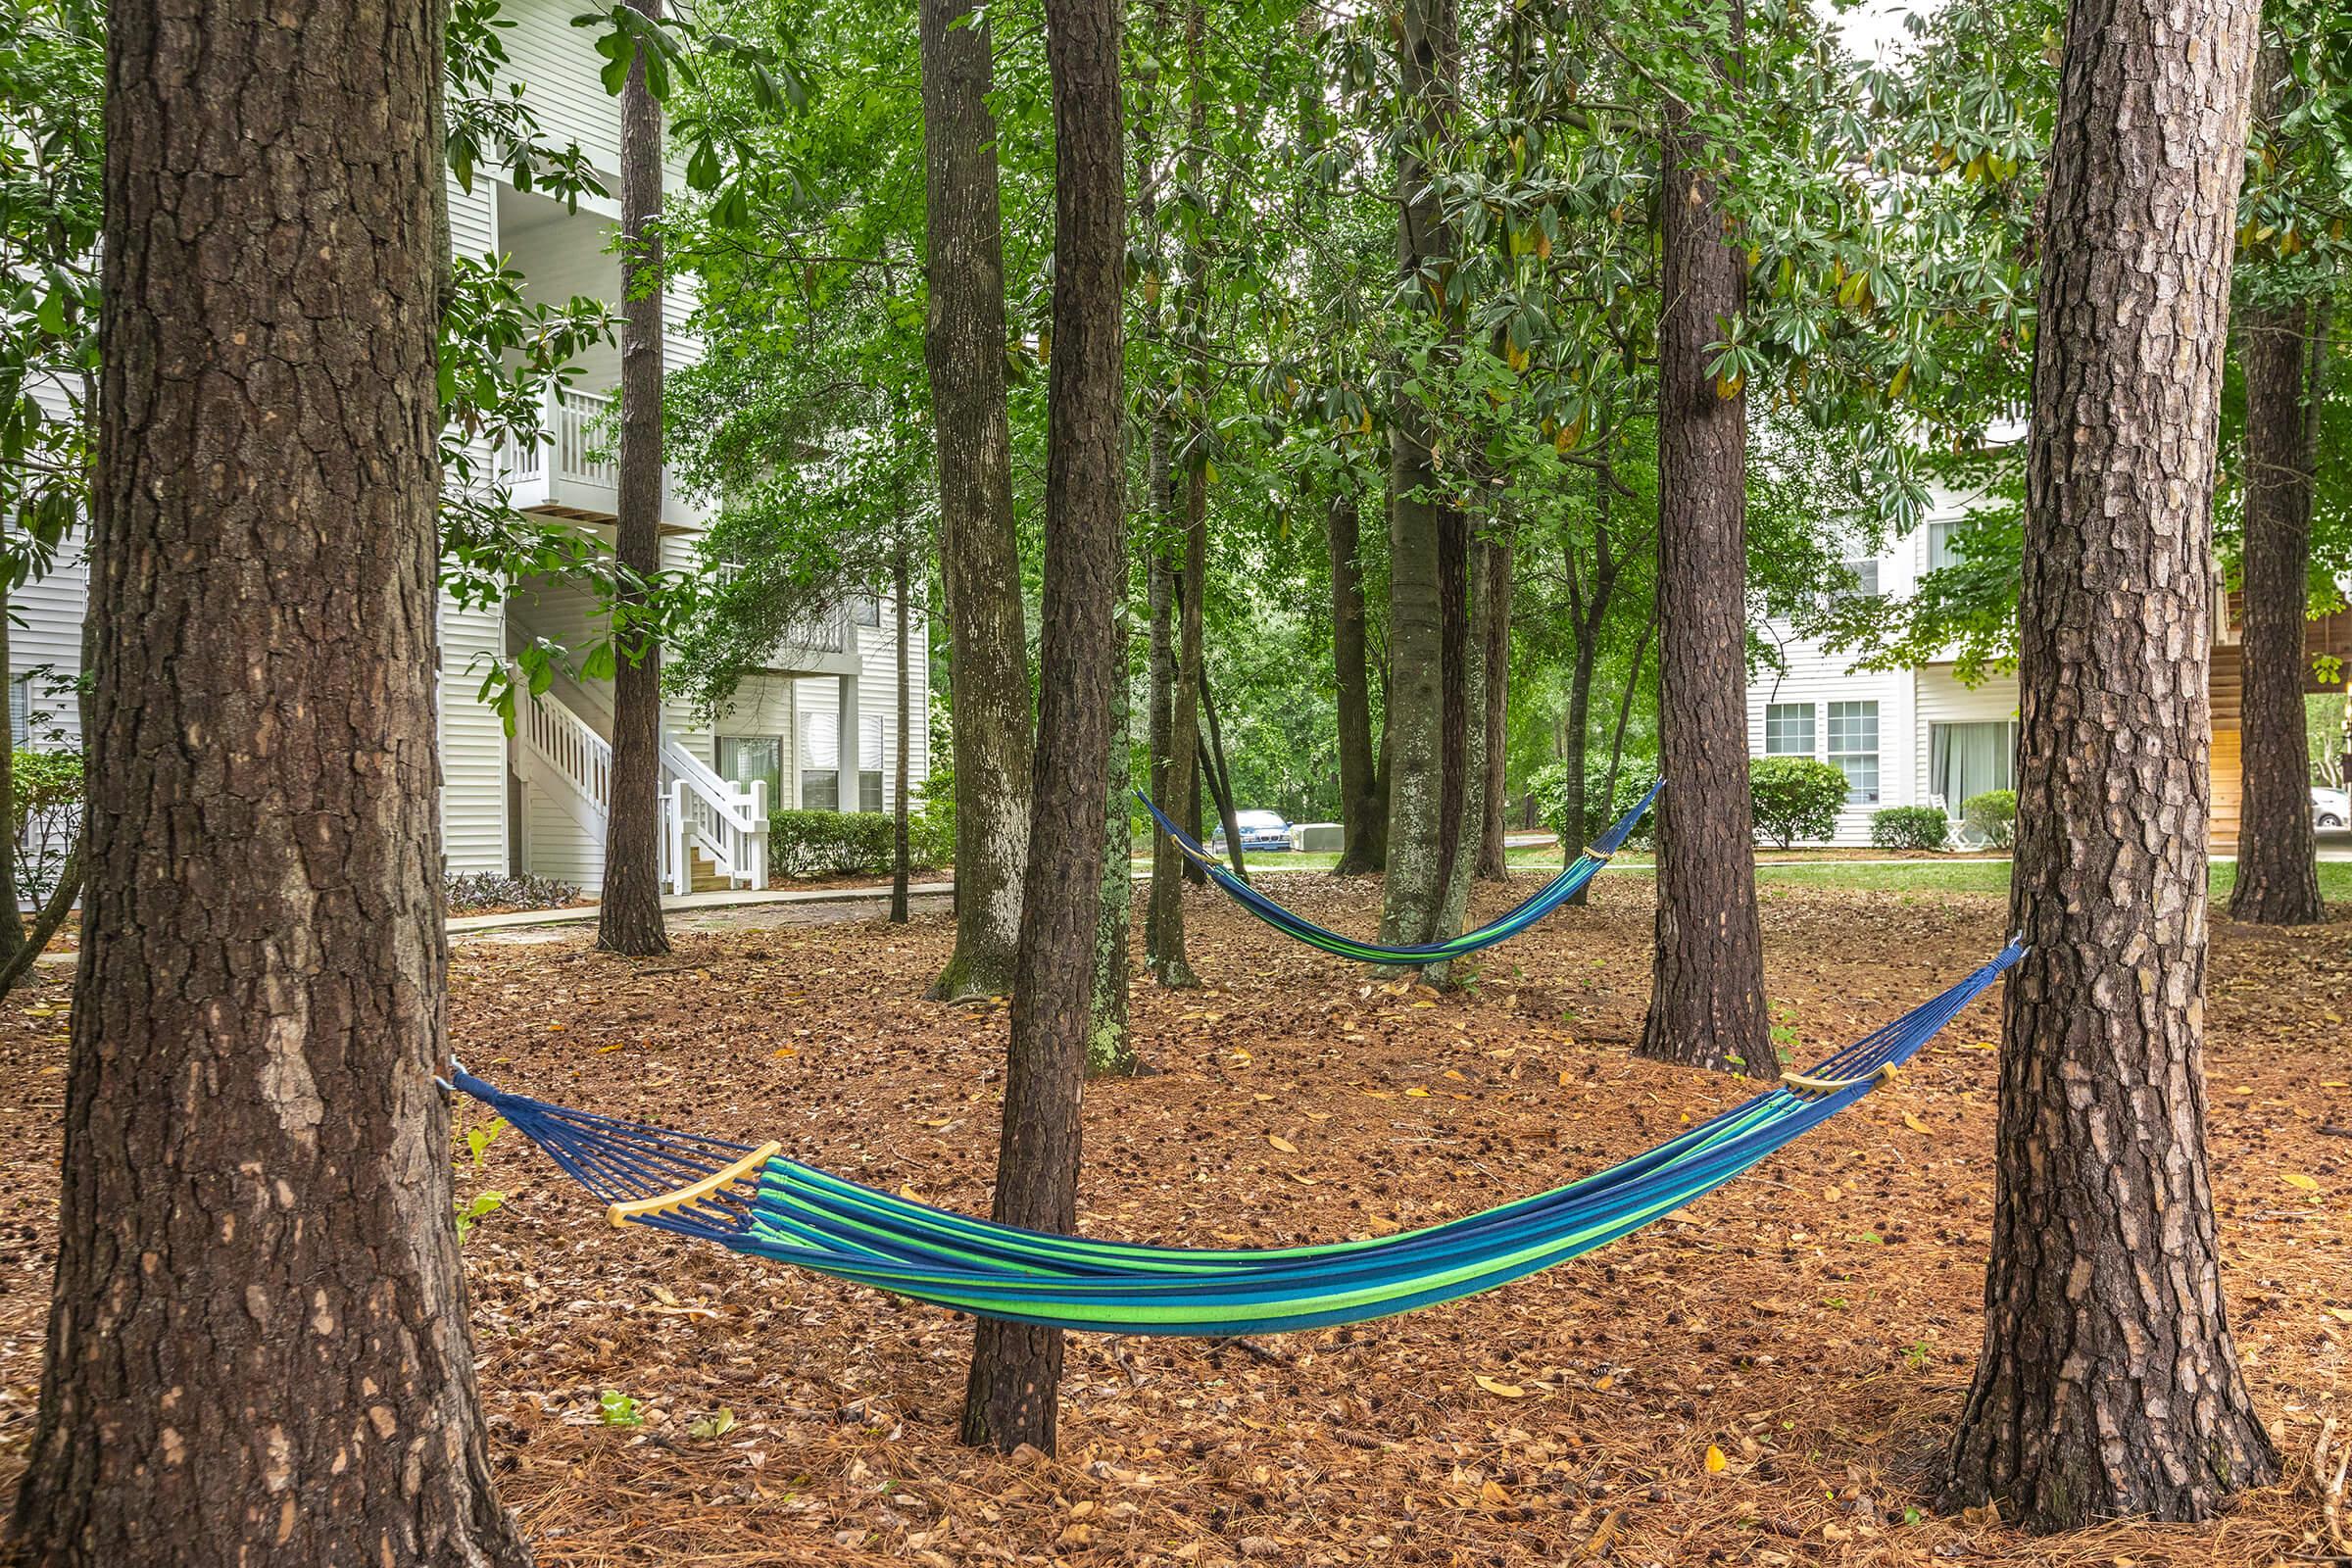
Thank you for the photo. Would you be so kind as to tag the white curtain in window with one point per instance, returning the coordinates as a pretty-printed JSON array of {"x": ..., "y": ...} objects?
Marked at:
[
  {"x": 1964, "y": 760},
  {"x": 820, "y": 738}
]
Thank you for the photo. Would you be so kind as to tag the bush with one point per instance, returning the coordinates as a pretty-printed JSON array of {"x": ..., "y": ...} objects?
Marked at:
[
  {"x": 1794, "y": 798},
  {"x": 1910, "y": 827},
  {"x": 473, "y": 892},
  {"x": 829, "y": 843},
  {"x": 46, "y": 806},
  {"x": 1991, "y": 817}
]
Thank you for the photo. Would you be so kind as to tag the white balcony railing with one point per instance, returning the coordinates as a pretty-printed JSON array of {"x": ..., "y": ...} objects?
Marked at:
[{"x": 570, "y": 464}]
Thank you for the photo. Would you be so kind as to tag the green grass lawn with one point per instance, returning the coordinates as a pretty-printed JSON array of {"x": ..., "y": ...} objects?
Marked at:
[{"x": 1910, "y": 876}]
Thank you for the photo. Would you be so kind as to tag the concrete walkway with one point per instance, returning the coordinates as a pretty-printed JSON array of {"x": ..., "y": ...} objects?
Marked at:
[{"x": 696, "y": 903}]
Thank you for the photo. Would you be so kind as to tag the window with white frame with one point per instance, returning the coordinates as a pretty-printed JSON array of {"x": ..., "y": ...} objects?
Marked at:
[
  {"x": 1788, "y": 729},
  {"x": 869, "y": 763},
  {"x": 19, "y": 709},
  {"x": 1866, "y": 579},
  {"x": 864, "y": 610},
  {"x": 1854, "y": 749},
  {"x": 1967, "y": 759},
  {"x": 820, "y": 759}
]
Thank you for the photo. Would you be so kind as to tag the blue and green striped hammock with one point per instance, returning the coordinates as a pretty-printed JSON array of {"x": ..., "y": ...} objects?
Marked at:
[
  {"x": 756, "y": 1202},
  {"x": 1554, "y": 893}
]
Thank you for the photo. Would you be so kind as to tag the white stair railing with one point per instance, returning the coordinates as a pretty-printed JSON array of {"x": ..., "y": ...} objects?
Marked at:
[{"x": 700, "y": 810}]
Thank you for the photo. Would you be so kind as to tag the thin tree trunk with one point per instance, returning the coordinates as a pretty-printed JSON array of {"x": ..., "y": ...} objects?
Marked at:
[
  {"x": 257, "y": 1352},
  {"x": 1426, "y": 532},
  {"x": 1109, "y": 1046},
  {"x": 1496, "y": 556},
  {"x": 630, "y": 907},
  {"x": 1163, "y": 918},
  {"x": 1707, "y": 1005},
  {"x": 980, "y": 568},
  {"x": 46, "y": 922},
  {"x": 1363, "y": 804},
  {"x": 12, "y": 923},
  {"x": 1175, "y": 728},
  {"x": 2109, "y": 1383},
  {"x": 1625, "y": 712},
  {"x": 1016, "y": 1367},
  {"x": 1220, "y": 777},
  {"x": 902, "y": 860},
  {"x": 2278, "y": 852}
]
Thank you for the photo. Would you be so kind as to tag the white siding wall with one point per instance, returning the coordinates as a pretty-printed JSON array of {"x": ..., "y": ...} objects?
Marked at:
[
  {"x": 473, "y": 742},
  {"x": 48, "y": 633}
]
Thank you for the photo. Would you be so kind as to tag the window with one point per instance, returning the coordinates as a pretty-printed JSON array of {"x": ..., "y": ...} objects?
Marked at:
[
  {"x": 869, "y": 763},
  {"x": 1788, "y": 729},
  {"x": 1964, "y": 760},
  {"x": 19, "y": 709},
  {"x": 747, "y": 759},
  {"x": 864, "y": 610},
  {"x": 1866, "y": 579},
  {"x": 1940, "y": 554},
  {"x": 821, "y": 761},
  {"x": 1854, "y": 748}
]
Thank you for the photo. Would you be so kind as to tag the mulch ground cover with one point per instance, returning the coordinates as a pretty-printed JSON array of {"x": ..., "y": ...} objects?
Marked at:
[{"x": 1768, "y": 1378}]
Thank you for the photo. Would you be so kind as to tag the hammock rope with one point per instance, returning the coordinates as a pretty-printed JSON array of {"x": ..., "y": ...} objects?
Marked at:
[
  {"x": 756, "y": 1201},
  {"x": 1558, "y": 890}
]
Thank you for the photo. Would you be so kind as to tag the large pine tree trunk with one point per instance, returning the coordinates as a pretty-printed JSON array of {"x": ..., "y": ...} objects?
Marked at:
[
  {"x": 2277, "y": 854},
  {"x": 980, "y": 568},
  {"x": 1707, "y": 1005},
  {"x": 258, "y": 1354},
  {"x": 1427, "y": 534},
  {"x": 629, "y": 908},
  {"x": 2109, "y": 1383},
  {"x": 1363, "y": 802},
  {"x": 1495, "y": 557},
  {"x": 1016, "y": 1368}
]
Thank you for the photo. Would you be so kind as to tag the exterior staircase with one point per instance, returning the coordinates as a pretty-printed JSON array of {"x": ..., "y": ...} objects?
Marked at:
[{"x": 714, "y": 832}]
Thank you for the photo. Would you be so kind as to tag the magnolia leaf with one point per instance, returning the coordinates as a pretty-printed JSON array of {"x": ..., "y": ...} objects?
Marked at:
[
  {"x": 1500, "y": 1389},
  {"x": 1283, "y": 1143},
  {"x": 2300, "y": 1182}
]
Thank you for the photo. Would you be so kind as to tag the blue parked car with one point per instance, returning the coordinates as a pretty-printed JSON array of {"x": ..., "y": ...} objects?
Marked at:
[{"x": 1262, "y": 831}]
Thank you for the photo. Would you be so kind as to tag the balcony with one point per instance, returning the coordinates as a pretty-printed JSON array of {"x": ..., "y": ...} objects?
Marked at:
[{"x": 569, "y": 472}]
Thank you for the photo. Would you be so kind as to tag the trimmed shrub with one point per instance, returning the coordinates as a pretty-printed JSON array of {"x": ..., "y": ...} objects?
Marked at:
[
  {"x": 829, "y": 843},
  {"x": 472, "y": 892},
  {"x": 1991, "y": 817},
  {"x": 1910, "y": 827},
  {"x": 1794, "y": 798}
]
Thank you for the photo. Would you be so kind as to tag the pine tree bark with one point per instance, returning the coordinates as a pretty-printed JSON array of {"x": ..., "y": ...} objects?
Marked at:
[
  {"x": 1109, "y": 1044},
  {"x": 2109, "y": 1383},
  {"x": 902, "y": 856},
  {"x": 1363, "y": 801},
  {"x": 1706, "y": 1003},
  {"x": 1427, "y": 536},
  {"x": 980, "y": 568},
  {"x": 2278, "y": 852},
  {"x": 1496, "y": 558},
  {"x": 1016, "y": 1368},
  {"x": 628, "y": 916},
  {"x": 258, "y": 1354}
]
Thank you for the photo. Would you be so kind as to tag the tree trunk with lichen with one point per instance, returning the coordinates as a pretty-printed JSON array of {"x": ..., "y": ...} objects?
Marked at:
[
  {"x": 980, "y": 567},
  {"x": 258, "y": 1354},
  {"x": 2109, "y": 1383}
]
